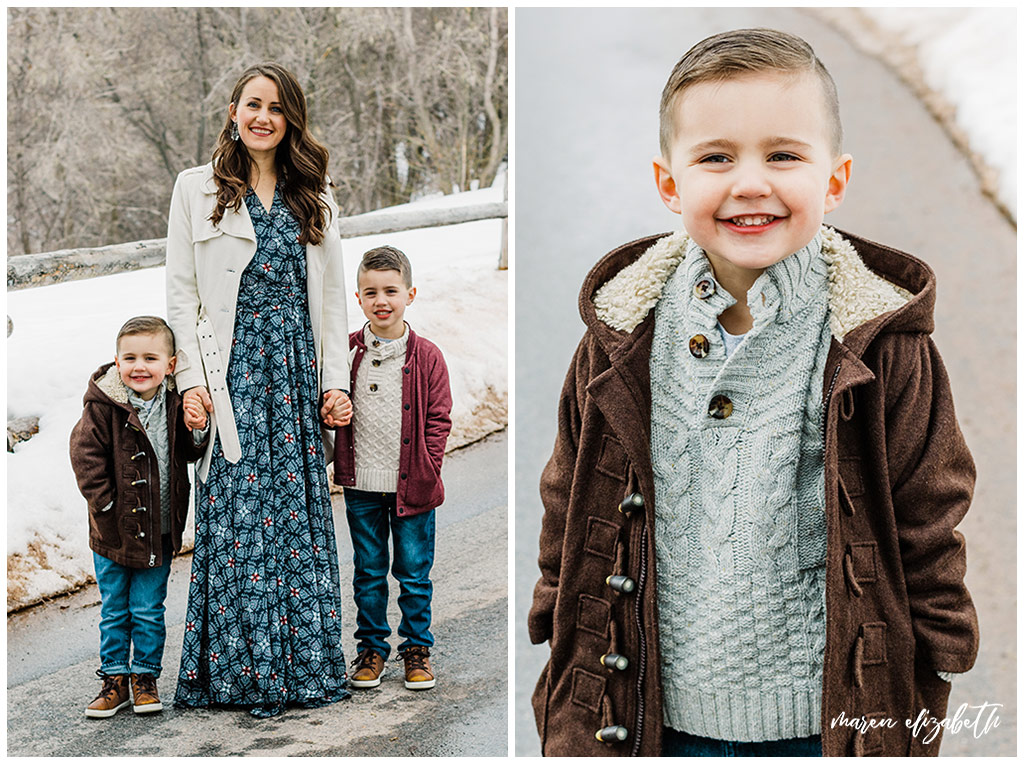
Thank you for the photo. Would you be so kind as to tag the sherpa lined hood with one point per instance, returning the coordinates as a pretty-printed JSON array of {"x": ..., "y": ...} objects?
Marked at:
[
  {"x": 106, "y": 386},
  {"x": 872, "y": 288}
]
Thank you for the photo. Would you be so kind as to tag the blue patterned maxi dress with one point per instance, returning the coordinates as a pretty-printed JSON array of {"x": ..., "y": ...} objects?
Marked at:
[{"x": 263, "y": 627}]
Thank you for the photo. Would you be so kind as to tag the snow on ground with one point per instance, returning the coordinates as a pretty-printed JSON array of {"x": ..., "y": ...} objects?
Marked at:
[
  {"x": 64, "y": 332},
  {"x": 968, "y": 56}
]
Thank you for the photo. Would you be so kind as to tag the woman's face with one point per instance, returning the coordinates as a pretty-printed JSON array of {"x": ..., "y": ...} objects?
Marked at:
[{"x": 259, "y": 116}]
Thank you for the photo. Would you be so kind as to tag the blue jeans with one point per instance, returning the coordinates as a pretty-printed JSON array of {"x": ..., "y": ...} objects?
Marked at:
[
  {"x": 132, "y": 613},
  {"x": 676, "y": 743},
  {"x": 371, "y": 516}
]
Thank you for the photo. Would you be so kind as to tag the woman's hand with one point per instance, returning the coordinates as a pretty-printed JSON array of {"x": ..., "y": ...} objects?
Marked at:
[
  {"x": 337, "y": 409},
  {"x": 196, "y": 402}
]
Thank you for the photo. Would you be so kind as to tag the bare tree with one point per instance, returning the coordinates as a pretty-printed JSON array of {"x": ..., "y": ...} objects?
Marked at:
[{"x": 107, "y": 105}]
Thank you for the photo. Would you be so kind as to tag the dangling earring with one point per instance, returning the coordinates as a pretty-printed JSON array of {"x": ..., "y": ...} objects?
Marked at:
[{"x": 234, "y": 131}]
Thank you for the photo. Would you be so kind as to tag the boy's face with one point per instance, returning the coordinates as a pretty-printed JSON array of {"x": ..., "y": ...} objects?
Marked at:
[
  {"x": 383, "y": 297},
  {"x": 752, "y": 170},
  {"x": 143, "y": 361}
]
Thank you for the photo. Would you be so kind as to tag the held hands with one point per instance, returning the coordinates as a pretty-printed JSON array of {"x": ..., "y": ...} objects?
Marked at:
[
  {"x": 196, "y": 403},
  {"x": 337, "y": 409}
]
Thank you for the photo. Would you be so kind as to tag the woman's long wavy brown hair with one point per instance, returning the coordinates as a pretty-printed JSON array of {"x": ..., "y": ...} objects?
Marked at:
[{"x": 301, "y": 159}]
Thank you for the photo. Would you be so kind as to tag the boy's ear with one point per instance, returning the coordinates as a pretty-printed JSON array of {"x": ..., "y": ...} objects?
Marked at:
[
  {"x": 666, "y": 185},
  {"x": 172, "y": 364},
  {"x": 837, "y": 182},
  {"x": 412, "y": 295}
]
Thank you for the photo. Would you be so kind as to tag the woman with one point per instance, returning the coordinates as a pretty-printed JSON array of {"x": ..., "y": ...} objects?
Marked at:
[{"x": 256, "y": 299}]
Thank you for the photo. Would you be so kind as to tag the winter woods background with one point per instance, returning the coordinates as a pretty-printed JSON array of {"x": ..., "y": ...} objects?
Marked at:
[{"x": 105, "y": 106}]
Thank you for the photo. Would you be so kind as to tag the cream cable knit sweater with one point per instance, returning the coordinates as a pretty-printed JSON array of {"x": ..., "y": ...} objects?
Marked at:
[{"x": 377, "y": 413}]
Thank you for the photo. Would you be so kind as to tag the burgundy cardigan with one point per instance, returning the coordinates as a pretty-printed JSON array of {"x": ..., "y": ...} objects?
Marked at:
[{"x": 426, "y": 422}]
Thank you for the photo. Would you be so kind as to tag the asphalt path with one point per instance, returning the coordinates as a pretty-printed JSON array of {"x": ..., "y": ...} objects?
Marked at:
[
  {"x": 588, "y": 83},
  {"x": 52, "y": 653}
]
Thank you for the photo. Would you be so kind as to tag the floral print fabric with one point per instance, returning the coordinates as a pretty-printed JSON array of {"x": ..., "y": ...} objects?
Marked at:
[{"x": 263, "y": 626}]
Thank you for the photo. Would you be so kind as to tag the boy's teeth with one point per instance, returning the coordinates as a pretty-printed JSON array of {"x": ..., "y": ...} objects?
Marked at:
[{"x": 753, "y": 220}]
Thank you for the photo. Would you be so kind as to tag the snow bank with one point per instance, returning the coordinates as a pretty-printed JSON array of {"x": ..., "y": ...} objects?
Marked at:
[
  {"x": 63, "y": 332},
  {"x": 968, "y": 57}
]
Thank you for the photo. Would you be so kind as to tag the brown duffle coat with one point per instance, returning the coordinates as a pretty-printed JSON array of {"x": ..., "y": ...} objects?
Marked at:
[
  {"x": 118, "y": 474},
  {"x": 898, "y": 479}
]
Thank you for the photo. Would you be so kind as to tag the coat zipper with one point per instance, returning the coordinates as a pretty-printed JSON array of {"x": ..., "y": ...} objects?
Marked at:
[{"x": 643, "y": 644}]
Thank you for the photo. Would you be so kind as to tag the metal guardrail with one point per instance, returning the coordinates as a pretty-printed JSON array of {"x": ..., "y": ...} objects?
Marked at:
[{"x": 25, "y": 271}]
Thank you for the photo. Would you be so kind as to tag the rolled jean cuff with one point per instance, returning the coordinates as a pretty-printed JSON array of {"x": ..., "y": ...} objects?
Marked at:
[
  {"x": 114, "y": 669},
  {"x": 144, "y": 668}
]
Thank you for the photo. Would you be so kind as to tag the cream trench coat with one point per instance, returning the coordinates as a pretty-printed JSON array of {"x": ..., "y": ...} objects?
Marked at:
[{"x": 204, "y": 267}]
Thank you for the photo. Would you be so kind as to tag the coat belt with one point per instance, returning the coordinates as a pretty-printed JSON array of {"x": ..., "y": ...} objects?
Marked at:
[{"x": 217, "y": 382}]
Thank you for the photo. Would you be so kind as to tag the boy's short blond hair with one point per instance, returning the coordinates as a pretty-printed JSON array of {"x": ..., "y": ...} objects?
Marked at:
[
  {"x": 745, "y": 51},
  {"x": 146, "y": 325}
]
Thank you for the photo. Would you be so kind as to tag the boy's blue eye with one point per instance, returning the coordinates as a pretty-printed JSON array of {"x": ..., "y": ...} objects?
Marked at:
[
  {"x": 715, "y": 158},
  {"x": 782, "y": 156}
]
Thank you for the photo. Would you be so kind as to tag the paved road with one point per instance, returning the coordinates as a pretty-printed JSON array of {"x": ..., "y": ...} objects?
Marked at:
[
  {"x": 52, "y": 654},
  {"x": 587, "y": 89}
]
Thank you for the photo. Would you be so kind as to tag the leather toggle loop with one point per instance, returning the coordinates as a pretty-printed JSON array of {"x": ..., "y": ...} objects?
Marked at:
[{"x": 851, "y": 579}]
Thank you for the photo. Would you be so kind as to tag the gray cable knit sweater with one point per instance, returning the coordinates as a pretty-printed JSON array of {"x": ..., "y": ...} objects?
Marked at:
[{"x": 736, "y": 446}]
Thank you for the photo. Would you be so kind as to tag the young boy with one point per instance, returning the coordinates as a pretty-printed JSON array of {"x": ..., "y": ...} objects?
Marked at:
[
  {"x": 129, "y": 452},
  {"x": 389, "y": 461},
  {"x": 750, "y": 508}
]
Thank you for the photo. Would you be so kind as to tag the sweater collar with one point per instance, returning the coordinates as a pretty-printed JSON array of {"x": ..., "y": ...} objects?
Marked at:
[
  {"x": 381, "y": 349},
  {"x": 855, "y": 294}
]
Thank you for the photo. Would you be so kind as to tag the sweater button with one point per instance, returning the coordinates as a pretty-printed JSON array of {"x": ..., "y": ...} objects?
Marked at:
[
  {"x": 406, "y": 407},
  {"x": 699, "y": 346},
  {"x": 406, "y": 369},
  {"x": 373, "y": 387},
  {"x": 403, "y": 476},
  {"x": 405, "y": 440},
  {"x": 720, "y": 407},
  {"x": 614, "y": 734},
  {"x": 704, "y": 289},
  {"x": 375, "y": 362}
]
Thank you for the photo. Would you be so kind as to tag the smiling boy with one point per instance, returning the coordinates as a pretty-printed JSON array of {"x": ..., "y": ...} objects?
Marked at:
[
  {"x": 750, "y": 508},
  {"x": 389, "y": 460},
  {"x": 130, "y": 453}
]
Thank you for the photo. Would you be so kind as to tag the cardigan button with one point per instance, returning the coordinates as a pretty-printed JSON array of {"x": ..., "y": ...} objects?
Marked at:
[
  {"x": 405, "y": 440},
  {"x": 614, "y": 734},
  {"x": 406, "y": 407},
  {"x": 373, "y": 387},
  {"x": 631, "y": 503},
  {"x": 704, "y": 289},
  {"x": 142, "y": 535},
  {"x": 615, "y": 661},
  {"x": 699, "y": 346},
  {"x": 720, "y": 407},
  {"x": 375, "y": 362},
  {"x": 403, "y": 476},
  {"x": 406, "y": 369},
  {"x": 623, "y": 584}
]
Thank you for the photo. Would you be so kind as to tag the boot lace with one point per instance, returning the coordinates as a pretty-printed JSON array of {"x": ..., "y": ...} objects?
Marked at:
[
  {"x": 110, "y": 684},
  {"x": 145, "y": 683},
  {"x": 415, "y": 658},
  {"x": 365, "y": 659}
]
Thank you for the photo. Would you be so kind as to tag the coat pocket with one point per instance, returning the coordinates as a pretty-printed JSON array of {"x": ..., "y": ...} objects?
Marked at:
[
  {"x": 103, "y": 525},
  {"x": 931, "y": 696}
]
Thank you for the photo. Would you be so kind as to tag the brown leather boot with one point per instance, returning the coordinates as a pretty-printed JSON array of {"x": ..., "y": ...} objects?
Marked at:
[
  {"x": 144, "y": 691},
  {"x": 418, "y": 674},
  {"x": 369, "y": 668},
  {"x": 112, "y": 698}
]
